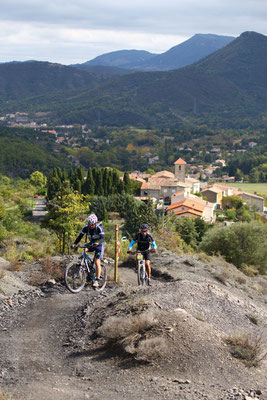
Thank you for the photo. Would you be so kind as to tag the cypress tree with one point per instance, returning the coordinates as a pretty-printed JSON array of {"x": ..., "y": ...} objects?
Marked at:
[
  {"x": 127, "y": 183},
  {"x": 89, "y": 187}
]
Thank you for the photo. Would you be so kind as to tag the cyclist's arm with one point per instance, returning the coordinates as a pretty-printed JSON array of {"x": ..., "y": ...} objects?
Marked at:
[
  {"x": 154, "y": 245},
  {"x": 131, "y": 244},
  {"x": 101, "y": 234},
  {"x": 78, "y": 238}
]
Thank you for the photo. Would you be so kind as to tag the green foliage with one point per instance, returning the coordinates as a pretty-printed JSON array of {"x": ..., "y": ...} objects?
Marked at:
[
  {"x": 64, "y": 211},
  {"x": 240, "y": 243},
  {"x": 38, "y": 179},
  {"x": 187, "y": 230},
  {"x": 21, "y": 154}
]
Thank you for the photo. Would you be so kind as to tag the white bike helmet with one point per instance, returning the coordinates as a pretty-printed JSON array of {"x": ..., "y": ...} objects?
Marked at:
[{"x": 92, "y": 219}]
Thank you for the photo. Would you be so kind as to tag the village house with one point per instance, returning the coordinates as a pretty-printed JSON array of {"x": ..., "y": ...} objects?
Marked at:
[
  {"x": 164, "y": 184},
  {"x": 186, "y": 208},
  {"x": 207, "y": 208},
  {"x": 254, "y": 201},
  {"x": 213, "y": 195},
  {"x": 194, "y": 184}
]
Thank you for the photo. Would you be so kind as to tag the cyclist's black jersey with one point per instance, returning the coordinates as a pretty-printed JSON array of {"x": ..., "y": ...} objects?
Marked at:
[{"x": 143, "y": 241}]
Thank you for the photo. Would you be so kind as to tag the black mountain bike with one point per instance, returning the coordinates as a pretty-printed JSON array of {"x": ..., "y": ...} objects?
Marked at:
[
  {"x": 142, "y": 277},
  {"x": 80, "y": 272}
]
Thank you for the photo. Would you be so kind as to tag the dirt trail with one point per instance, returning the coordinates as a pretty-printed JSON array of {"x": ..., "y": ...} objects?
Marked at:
[
  {"x": 46, "y": 352},
  {"x": 36, "y": 362},
  {"x": 38, "y": 365}
]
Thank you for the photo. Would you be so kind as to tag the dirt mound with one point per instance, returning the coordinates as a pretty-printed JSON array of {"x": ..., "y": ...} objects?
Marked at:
[{"x": 193, "y": 321}]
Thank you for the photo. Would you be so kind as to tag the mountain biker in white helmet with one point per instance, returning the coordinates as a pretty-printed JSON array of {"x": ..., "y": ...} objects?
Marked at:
[
  {"x": 144, "y": 239},
  {"x": 96, "y": 236}
]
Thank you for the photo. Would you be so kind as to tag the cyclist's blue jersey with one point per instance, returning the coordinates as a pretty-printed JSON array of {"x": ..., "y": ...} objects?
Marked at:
[{"x": 95, "y": 235}]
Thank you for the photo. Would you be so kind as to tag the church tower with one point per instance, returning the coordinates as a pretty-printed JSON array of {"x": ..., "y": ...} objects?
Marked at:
[{"x": 179, "y": 169}]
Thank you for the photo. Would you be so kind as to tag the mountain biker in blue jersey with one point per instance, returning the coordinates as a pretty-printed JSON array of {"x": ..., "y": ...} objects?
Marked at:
[
  {"x": 144, "y": 239},
  {"x": 96, "y": 236}
]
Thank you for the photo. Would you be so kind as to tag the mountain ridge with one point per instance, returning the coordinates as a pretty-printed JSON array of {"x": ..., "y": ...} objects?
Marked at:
[{"x": 185, "y": 53}]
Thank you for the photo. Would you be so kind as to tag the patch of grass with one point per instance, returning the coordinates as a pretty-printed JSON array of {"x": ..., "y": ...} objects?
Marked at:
[
  {"x": 204, "y": 257},
  {"x": 133, "y": 335},
  {"x": 249, "y": 350},
  {"x": 248, "y": 270},
  {"x": 254, "y": 318}
]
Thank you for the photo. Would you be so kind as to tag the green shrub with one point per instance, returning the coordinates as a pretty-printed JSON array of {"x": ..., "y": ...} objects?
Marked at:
[{"x": 241, "y": 243}]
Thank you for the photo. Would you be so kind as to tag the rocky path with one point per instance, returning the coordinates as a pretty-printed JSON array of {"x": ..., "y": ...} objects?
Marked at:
[
  {"x": 47, "y": 350},
  {"x": 34, "y": 361}
]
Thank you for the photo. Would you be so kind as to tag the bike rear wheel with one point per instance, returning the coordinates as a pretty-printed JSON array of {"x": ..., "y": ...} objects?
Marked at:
[
  {"x": 75, "y": 276},
  {"x": 142, "y": 277},
  {"x": 103, "y": 279}
]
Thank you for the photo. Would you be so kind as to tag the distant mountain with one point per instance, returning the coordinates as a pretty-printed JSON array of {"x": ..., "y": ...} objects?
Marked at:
[
  {"x": 121, "y": 58},
  {"x": 24, "y": 79},
  {"x": 229, "y": 86},
  {"x": 103, "y": 69},
  {"x": 186, "y": 53}
]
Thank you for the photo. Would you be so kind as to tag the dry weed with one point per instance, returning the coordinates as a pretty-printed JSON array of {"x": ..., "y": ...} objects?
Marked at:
[
  {"x": 254, "y": 318},
  {"x": 250, "y": 350},
  {"x": 133, "y": 335},
  {"x": 2, "y": 273},
  {"x": 120, "y": 328},
  {"x": 52, "y": 270},
  {"x": 151, "y": 349},
  {"x": 3, "y": 396},
  {"x": 222, "y": 276},
  {"x": 15, "y": 265}
]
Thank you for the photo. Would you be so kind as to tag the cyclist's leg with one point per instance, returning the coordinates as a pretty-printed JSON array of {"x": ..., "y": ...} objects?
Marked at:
[
  {"x": 98, "y": 257},
  {"x": 147, "y": 263}
]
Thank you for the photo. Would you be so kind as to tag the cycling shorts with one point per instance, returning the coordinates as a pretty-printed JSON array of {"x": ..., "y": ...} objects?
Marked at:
[{"x": 146, "y": 254}]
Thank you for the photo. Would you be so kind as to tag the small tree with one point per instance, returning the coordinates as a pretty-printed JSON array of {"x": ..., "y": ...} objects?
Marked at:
[
  {"x": 63, "y": 215},
  {"x": 186, "y": 229},
  {"x": 38, "y": 179}
]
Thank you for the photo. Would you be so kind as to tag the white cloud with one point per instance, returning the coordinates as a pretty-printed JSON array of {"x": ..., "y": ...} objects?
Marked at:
[{"x": 76, "y": 31}]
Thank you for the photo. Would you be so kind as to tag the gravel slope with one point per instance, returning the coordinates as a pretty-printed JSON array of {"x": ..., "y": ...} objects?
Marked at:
[{"x": 50, "y": 346}]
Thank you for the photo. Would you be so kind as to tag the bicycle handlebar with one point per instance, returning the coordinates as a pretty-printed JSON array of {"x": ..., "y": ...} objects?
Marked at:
[
  {"x": 141, "y": 251},
  {"x": 75, "y": 247}
]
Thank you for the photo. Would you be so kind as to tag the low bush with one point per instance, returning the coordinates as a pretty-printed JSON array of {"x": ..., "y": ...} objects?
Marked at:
[
  {"x": 249, "y": 350},
  {"x": 241, "y": 243}
]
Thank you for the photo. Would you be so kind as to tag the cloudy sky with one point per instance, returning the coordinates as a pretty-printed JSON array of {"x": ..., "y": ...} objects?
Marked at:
[{"x": 68, "y": 31}]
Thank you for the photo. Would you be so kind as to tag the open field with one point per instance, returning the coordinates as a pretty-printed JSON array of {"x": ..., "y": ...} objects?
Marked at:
[{"x": 259, "y": 188}]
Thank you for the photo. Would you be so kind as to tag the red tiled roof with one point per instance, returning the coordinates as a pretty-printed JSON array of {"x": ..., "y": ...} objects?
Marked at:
[
  {"x": 180, "y": 161},
  {"x": 190, "y": 211}
]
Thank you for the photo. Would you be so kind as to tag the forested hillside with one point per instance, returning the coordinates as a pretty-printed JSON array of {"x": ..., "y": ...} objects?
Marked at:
[{"x": 21, "y": 155}]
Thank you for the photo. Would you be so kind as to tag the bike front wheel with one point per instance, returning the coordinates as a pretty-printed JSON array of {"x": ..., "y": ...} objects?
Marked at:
[
  {"x": 75, "y": 276},
  {"x": 102, "y": 281},
  {"x": 142, "y": 277}
]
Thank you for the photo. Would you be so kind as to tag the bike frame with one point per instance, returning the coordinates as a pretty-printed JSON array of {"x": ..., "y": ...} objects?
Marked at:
[
  {"x": 87, "y": 260},
  {"x": 141, "y": 268}
]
